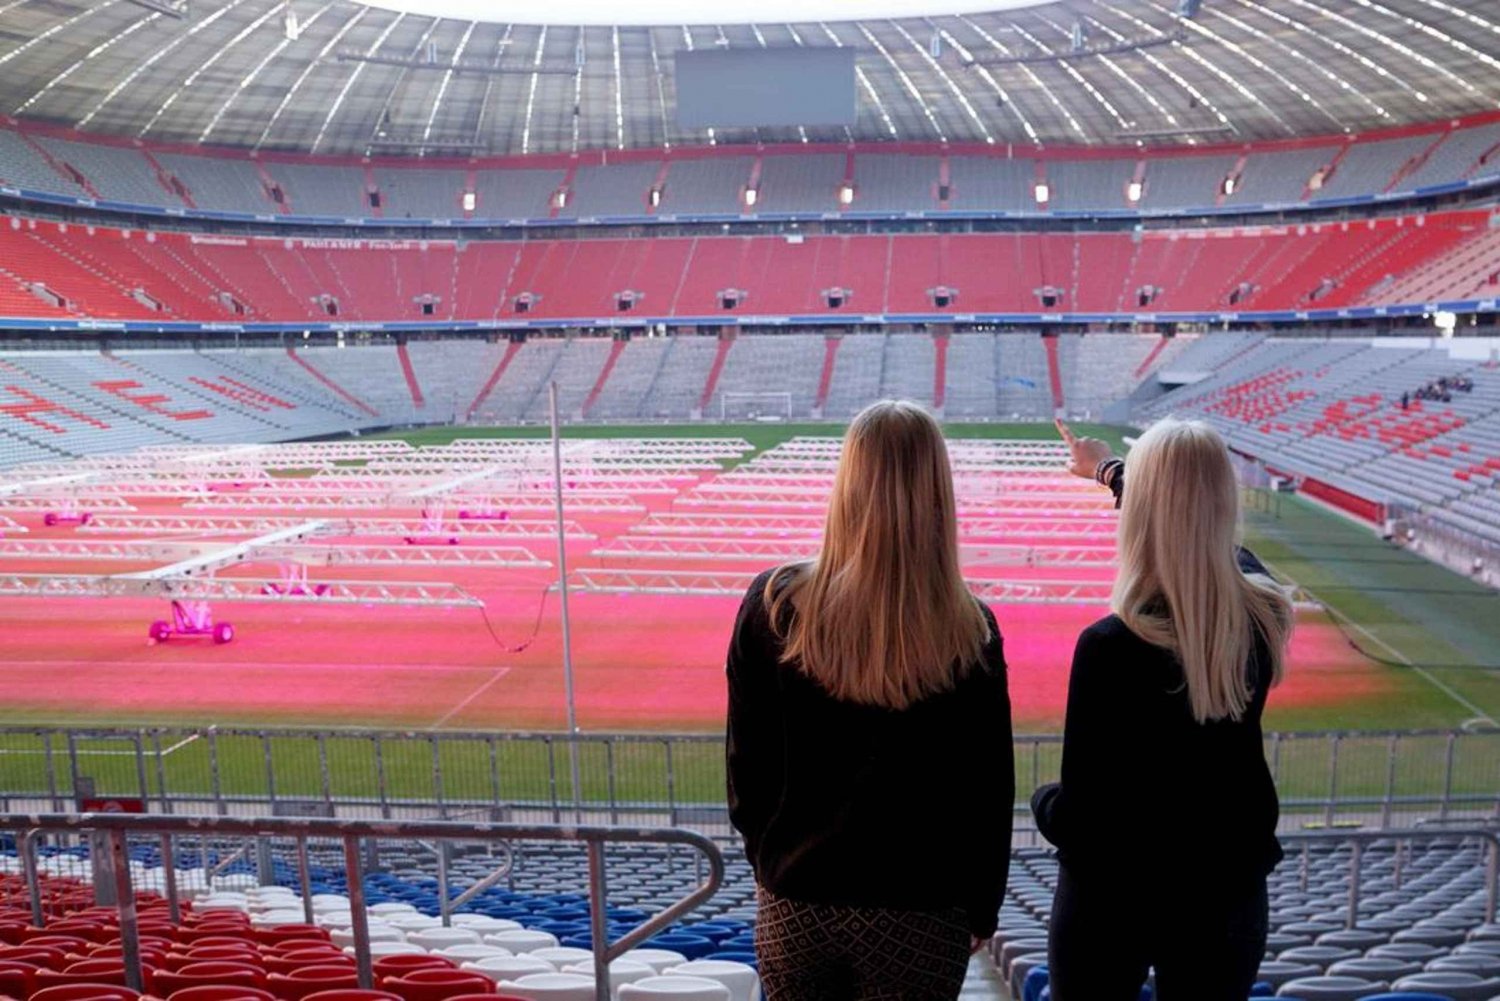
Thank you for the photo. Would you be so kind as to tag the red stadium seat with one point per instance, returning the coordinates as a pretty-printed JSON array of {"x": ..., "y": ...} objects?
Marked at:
[
  {"x": 68, "y": 943},
  {"x": 299, "y": 984},
  {"x": 437, "y": 984},
  {"x": 291, "y": 961},
  {"x": 17, "y": 979},
  {"x": 207, "y": 974},
  {"x": 46, "y": 957},
  {"x": 90, "y": 971},
  {"x": 395, "y": 966},
  {"x": 221, "y": 992},
  {"x": 354, "y": 994},
  {"x": 283, "y": 933},
  {"x": 212, "y": 953},
  {"x": 85, "y": 992}
]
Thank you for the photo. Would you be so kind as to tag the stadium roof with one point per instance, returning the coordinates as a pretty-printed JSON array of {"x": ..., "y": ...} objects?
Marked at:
[{"x": 344, "y": 77}]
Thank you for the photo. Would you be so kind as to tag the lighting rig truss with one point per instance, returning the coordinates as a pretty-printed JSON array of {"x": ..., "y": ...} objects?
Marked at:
[
  {"x": 191, "y": 585},
  {"x": 727, "y": 583},
  {"x": 222, "y": 525}
]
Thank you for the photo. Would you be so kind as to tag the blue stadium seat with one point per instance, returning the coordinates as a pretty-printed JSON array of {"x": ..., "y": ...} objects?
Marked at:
[{"x": 1036, "y": 981}]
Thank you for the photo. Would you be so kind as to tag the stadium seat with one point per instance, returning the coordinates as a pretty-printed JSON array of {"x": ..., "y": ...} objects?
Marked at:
[
  {"x": 1455, "y": 984},
  {"x": 1036, "y": 979},
  {"x": 221, "y": 993},
  {"x": 298, "y": 984},
  {"x": 436, "y": 984},
  {"x": 166, "y": 982},
  {"x": 1330, "y": 988},
  {"x": 17, "y": 980},
  {"x": 508, "y": 967},
  {"x": 85, "y": 992},
  {"x": 550, "y": 987},
  {"x": 521, "y": 940},
  {"x": 461, "y": 954},
  {"x": 96, "y": 971},
  {"x": 395, "y": 966},
  {"x": 679, "y": 988},
  {"x": 742, "y": 981},
  {"x": 621, "y": 971},
  {"x": 657, "y": 959}
]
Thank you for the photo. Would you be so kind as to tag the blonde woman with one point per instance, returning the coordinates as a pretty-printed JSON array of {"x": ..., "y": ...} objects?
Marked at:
[
  {"x": 1165, "y": 818},
  {"x": 869, "y": 744}
]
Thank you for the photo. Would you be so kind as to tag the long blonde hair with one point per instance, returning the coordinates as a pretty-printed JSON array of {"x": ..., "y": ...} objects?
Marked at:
[
  {"x": 882, "y": 616},
  {"x": 1180, "y": 585}
]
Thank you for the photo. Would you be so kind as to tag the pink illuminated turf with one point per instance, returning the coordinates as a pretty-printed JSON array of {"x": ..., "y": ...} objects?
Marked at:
[{"x": 642, "y": 662}]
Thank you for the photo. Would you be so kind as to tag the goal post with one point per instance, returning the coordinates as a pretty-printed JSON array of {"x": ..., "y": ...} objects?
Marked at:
[{"x": 743, "y": 407}]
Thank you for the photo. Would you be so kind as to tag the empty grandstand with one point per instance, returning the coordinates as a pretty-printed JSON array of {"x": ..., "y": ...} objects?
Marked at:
[{"x": 359, "y": 689}]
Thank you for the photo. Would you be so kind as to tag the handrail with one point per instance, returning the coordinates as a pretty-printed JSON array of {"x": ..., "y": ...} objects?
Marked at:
[
  {"x": 118, "y": 827},
  {"x": 1359, "y": 840}
]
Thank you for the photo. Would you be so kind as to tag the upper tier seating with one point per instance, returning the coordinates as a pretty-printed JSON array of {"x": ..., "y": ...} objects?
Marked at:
[
  {"x": 24, "y": 166},
  {"x": 420, "y": 193},
  {"x": 711, "y": 180},
  {"x": 1274, "y": 177},
  {"x": 1082, "y": 185},
  {"x": 219, "y": 184},
  {"x": 117, "y": 173},
  {"x": 1370, "y": 167},
  {"x": 895, "y": 183},
  {"x": 709, "y": 185},
  {"x": 320, "y": 190}
]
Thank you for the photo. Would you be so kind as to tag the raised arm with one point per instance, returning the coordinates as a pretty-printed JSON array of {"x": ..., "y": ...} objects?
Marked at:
[{"x": 1093, "y": 459}]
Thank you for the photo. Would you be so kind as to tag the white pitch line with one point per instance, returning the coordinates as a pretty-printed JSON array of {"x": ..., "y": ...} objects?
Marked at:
[
  {"x": 499, "y": 673},
  {"x": 1439, "y": 685},
  {"x": 1403, "y": 658}
]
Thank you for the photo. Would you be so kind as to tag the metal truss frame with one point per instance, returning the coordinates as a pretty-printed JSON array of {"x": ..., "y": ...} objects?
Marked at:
[
  {"x": 726, "y": 583},
  {"x": 255, "y": 525},
  {"x": 242, "y": 589}
]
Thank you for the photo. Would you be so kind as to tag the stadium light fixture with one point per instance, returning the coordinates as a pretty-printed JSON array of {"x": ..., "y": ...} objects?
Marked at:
[
  {"x": 1445, "y": 320},
  {"x": 1042, "y": 192},
  {"x": 1134, "y": 190},
  {"x": 470, "y": 201}
]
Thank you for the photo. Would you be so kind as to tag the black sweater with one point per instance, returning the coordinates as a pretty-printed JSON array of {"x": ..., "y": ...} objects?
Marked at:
[
  {"x": 1149, "y": 795},
  {"x": 856, "y": 805}
]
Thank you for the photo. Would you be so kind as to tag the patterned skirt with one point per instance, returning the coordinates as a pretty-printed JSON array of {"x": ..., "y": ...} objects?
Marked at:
[{"x": 822, "y": 952}]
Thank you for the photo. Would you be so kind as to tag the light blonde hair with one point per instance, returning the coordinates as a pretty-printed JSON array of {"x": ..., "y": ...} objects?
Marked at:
[
  {"x": 882, "y": 616},
  {"x": 1180, "y": 585}
]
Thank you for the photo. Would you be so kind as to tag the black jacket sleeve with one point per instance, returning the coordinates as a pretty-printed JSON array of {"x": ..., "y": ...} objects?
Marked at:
[
  {"x": 753, "y": 745},
  {"x": 1083, "y": 800},
  {"x": 994, "y": 763}
]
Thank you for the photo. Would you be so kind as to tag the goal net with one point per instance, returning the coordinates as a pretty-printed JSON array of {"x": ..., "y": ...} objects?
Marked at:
[{"x": 755, "y": 407}]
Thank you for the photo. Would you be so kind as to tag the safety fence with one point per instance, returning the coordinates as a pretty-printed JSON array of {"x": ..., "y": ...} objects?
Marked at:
[
  {"x": 1378, "y": 778},
  {"x": 113, "y": 833}
]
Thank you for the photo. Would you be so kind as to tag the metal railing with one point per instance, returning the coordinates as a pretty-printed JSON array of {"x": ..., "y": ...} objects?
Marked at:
[
  {"x": 1403, "y": 839},
  {"x": 1382, "y": 778},
  {"x": 117, "y": 828}
]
